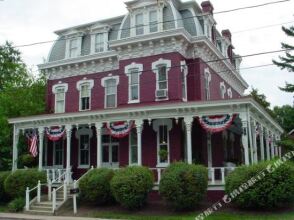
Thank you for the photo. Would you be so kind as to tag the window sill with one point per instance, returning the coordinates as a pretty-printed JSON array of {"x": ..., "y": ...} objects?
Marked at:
[
  {"x": 159, "y": 100},
  {"x": 162, "y": 165},
  {"x": 84, "y": 167},
  {"x": 84, "y": 110},
  {"x": 134, "y": 102}
]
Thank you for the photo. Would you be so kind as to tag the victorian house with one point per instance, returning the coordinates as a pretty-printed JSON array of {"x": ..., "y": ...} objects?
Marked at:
[{"x": 157, "y": 85}]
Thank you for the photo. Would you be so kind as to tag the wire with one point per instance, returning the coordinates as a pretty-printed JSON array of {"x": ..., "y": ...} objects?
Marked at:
[{"x": 173, "y": 20}]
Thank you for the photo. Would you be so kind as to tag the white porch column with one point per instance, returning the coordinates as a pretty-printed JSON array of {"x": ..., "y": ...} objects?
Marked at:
[
  {"x": 250, "y": 138},
  {"x": 139, "y": 127},
  {"x": 261, "y": 138},
  {"x": 189, "y": 122},
  {"x": 99, "y": 144},
  {"x": 268, "y": 154},
  {"x": 68, "y": 149},
  {"x": 255, "y": 154},
  {"x": 245, "y": 138},
  {"x": 41, "y": 142},
  {"x": 272, "y": 145},
  {"x": 15, "y": 150}
]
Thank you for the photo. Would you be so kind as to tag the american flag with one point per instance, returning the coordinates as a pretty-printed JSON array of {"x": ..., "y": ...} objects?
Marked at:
[{"x": 32, "y": 143}]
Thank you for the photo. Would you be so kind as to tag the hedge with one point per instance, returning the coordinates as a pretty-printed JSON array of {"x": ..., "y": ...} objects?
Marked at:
[
  {"x": 16, "y": 183},
  {"x": 130, "y": 186},
  {"x": 183, "y": 185},
  {"x": 273, "y": 189},
  {"x": 3, "y": 195},
  {"x": 95, "y": 186}
]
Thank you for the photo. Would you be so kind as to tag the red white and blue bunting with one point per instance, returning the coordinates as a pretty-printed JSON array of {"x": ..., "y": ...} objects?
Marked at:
[
  {"x": 119, "y": 129},
  {"x": 55, "y": 133},
  {"x": 216, "y": 123}
]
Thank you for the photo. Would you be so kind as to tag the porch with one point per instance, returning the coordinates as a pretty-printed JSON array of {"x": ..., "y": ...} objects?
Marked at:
[{"x": 172, "y": 130}]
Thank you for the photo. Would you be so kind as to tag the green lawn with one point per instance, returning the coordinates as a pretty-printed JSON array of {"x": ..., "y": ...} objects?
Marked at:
[{"x": 216, "y": 216}]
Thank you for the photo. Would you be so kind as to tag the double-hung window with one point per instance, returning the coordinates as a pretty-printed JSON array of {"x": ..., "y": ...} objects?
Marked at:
[
  {"x": 134, "y": 85},
  {"x": 161, "y": 68},
  {"x": 110, "y": 93},
  {"x": 59, "y": 91},
  {"x": 73, "y": 48},
  {"x": 163, "y": 153},
  {"x": 153, "y": 24},
  {"x": 99, "y": 43},
  {"x": 162, "y": 77},
  {"x": 85, "y": 97},
  {"x": 84, "y": 150},
  {"x": 133, "y": 147},
  {"x": 139, "y": 24}
]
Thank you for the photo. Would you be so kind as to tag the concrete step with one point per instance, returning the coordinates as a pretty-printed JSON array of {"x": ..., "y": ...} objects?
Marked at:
[{"x": 41, "y": 208}]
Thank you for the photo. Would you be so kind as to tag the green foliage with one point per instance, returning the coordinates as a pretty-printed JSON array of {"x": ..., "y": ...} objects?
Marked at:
[
  {"x": 275, "y": 189},
  {"x": 287, "y": 61},
  {"x": 27, "y": 160},
  {"x": 183, "y": 185},
  {"x": 16, "y": 205},
  {"x": 21, "y": 94},
  {"x": 16, "y": 183},
  {"x": 287, "y": 143},
  {"x": 285, "y": 116},
  {"x": 130, "y": 186},
  {"x": 95, "y": 186},
  {"x": 4, "y": 196}
]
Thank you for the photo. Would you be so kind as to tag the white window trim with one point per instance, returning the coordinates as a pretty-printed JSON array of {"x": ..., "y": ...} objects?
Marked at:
[
  {"x": 54, "y": 91},
  {"x": 84, "y": 131},
  {"x": 130, "y": 151},
  {"x": 67, "y": 45},
  {"x": 103, "y": 81},
  {"x": 156, "y": 123},
  {"x": 184, "y": 68},
  {"x": 105, "y": 33},
  {"x": 155, "y": 66},
  {"x": 223, "y": 89},
  {"x": 207, "y": 79},
  {"x": 230, "y": 93},
  {"x": 90, "y": 82},
  {"x": 54, "y": 156},
  {"x": 128, "y": 69}
]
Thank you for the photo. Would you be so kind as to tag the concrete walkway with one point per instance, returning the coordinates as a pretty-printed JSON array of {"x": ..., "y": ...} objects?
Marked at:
[{"x": 12, "y": 216}]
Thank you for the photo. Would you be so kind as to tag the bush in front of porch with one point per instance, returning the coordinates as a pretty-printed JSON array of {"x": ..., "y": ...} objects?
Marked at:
[
  {"x": 95, "y": 186},
  {"x": 16, "y": 183},
  {"x": 183, "y": 185},
  {"x": 274, "y": 189},
  {"x": 4, "y": 197},
  {"x": 130, "y": 186}
]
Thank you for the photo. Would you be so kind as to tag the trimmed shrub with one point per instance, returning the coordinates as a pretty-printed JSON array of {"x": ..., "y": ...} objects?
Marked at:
[
  {"x": 130, "y": 186},
  {"x": 273, "y": 189},
  {"x": 95, "y": 186},
  {"x": 183, "y": 185},
  {"x": 28, "y": 160},
  {"x": 3, "y": 195},
  {"x": 16, "y": 183},
  {"x": 16, "y": 205}
]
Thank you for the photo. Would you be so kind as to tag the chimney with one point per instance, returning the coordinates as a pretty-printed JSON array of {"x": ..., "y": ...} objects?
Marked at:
[
  {"x": 207, "y": 7},
  {"x": 227, "y": 34}
]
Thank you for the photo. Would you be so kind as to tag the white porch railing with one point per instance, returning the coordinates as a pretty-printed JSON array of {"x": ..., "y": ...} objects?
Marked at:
[
  {"x": 56, "y": 175},
  {"x": 38, "y": 189}
]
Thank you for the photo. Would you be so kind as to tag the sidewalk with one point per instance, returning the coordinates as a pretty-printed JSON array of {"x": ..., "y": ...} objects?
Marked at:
[{"x": 12, "y": 216}]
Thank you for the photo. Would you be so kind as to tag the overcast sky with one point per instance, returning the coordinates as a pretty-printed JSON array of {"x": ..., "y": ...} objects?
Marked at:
[{"x": 28, "y": 21}]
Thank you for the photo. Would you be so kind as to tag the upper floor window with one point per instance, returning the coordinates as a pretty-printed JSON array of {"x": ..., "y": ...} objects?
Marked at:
[
  {"x": 139, "y": 24},
  {"x": 184, "y": 73},
  {"x": 134, "y": 71},
  {"x": 99, "y": 42},
  {"x": 207, "y": 79},
  {"x": 153, "y": 24},
  {"x": 60, "y": 90},
  {"x": 110, "y": 84},
  {"x": 161, "y": 68},
  {"x": 222, "y": 90},
  {"x": 73, "y": 48},
  {"x": 85, "y": 86}
]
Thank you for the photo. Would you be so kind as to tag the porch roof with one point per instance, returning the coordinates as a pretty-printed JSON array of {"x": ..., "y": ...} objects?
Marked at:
[{"x": 155, "y": 111}]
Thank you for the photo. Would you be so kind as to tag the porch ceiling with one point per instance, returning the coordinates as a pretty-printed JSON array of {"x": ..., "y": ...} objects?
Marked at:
[{"x": 155, "y": 111}]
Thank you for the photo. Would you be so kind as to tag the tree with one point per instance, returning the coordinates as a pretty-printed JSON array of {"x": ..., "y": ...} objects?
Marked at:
[
  {"x": 287, "y": 61},
  {"x": 21, "y": 94},
  {"x": 285, "y": 117},
  {"x": 261, "y": 99}
]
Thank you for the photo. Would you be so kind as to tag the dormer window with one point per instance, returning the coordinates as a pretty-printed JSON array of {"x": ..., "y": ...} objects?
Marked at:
[
  {"x": 73, "y": 48},
  {"x": 110, "y": 84},
  {"x": 99, "y": 43},
  {"x": 153, "y": 23},
  {"x": 60, "y": 90},
  {"x": 139, "y": 24},
  {"x": 85, "y": 86}
]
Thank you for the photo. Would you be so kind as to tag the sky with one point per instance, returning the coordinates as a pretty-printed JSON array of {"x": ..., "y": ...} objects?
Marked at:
[{"x": 28, "y": 21}]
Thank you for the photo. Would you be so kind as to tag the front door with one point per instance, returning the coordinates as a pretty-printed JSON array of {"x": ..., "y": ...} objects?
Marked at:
[
  {"x": 58, "y": 154},
  {"x": 110, "y": 151}
]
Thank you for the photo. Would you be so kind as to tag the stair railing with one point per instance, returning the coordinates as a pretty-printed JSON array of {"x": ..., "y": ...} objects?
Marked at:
[
  {"x": 38, "y": 189},
  {"x": 54, "y": 193}
]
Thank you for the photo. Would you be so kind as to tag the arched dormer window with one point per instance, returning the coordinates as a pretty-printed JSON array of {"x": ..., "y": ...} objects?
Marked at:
[
  {"x": 207, "y": 79},
  {"x": 85, "y": 87},
  {"x": 59, "y": 91},
  {"x": 223, "y": 90}
]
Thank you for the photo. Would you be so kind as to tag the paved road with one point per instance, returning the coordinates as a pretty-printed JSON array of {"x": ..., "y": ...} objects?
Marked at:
[{"x": 12, "y": 216}]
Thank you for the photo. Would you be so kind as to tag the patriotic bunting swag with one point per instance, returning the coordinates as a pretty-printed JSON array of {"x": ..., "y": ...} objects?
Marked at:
[
  {"x": 119, "y": 129},
  {"x": 55, "y": 133},
  {"x": 216, "y": 123},
  {"x": 32, "y": 143}
]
